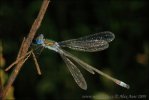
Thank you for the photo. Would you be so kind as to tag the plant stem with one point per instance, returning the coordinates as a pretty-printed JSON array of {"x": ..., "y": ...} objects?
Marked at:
[{"x": 26, "y": 46}]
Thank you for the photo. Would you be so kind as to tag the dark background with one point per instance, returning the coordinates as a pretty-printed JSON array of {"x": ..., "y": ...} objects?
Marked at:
[{"x": 125, "y": 59}]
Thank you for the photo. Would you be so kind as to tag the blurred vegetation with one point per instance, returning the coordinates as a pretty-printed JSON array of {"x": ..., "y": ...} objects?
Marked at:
[
  {"x": 4, "y": 76},
  {"x": 125, "y": 59}
]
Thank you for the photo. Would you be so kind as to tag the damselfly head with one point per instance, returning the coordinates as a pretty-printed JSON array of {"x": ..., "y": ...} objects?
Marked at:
[{"x": 40, "y": 39}]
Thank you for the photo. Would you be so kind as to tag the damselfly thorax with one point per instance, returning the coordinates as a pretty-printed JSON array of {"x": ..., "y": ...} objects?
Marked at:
[
  {"x": 52, "y": 45},
  {"x": 48, "y": 42}
]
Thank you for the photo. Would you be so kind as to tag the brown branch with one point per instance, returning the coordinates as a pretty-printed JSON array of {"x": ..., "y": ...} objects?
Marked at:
[
  {"x": 17, "y": 60},
  {"x": 26, "y": 46},
  {"x": 36, "y": 64},
  {"x": 21, "y": 48}
]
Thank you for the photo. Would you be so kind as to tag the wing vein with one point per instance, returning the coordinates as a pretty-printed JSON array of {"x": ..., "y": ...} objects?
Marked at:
[{"x": 75, "y": 72}]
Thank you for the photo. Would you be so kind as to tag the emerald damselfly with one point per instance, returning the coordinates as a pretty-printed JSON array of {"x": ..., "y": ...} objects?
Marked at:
[{"x": 91, "y": 43}]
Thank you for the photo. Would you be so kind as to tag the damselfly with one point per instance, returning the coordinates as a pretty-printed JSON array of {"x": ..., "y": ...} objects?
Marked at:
[{"x": 90, "y": 43}]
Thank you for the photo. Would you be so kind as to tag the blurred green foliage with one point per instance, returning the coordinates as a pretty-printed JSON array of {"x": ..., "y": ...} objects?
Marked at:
[
  {"x": 125, "y": 59},
  {"x": 4, "y": 76}
]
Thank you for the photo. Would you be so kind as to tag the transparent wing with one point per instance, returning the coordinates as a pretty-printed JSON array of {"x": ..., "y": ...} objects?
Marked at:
[
  {"x": 92, "y": 70},
  {"x": 107, "y": 36},
  {"x": 80, "y": 62},
  {"x": 90, "y": 43},
  {"x": 87, "y": 46},
  {"x": 78, "y": 77}
]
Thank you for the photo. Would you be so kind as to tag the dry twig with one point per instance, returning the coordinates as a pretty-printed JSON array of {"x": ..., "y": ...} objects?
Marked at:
[
  {"x": 17, "y": 60},
  {"x": 25, "y": 46},
  {"x": 36, "y": 63}
]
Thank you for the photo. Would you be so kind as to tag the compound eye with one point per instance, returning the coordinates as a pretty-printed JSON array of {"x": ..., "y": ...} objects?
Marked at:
[{"x": 40, "y": 39}]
